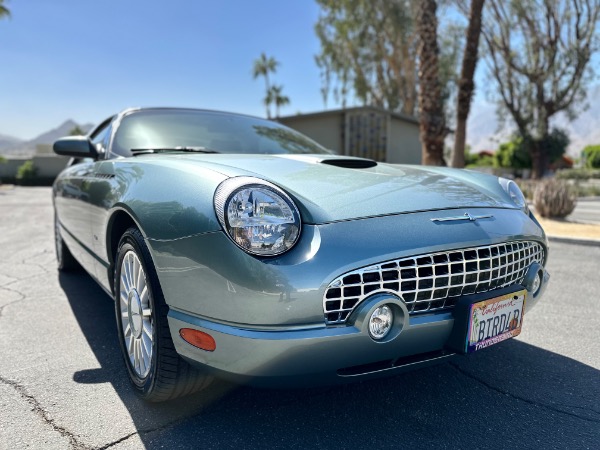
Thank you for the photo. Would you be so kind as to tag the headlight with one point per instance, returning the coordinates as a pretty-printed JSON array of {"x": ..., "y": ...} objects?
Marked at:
[
  {"x": 511, "y": 188},
  {"x": 257, "y": 216}
]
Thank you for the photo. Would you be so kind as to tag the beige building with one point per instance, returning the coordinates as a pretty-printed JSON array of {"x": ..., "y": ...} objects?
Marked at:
[{"x": 363, "y": 131}]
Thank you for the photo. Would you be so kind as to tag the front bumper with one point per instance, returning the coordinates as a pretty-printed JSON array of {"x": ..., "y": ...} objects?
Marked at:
[
  {"x": 327, "y": 355},
  {"x": 305, "y": 357},
  {"x": 266, "y": 314}
]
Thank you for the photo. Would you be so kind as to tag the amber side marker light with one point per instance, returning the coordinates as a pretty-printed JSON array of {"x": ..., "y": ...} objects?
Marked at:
[{"x": 198, "y": 339}]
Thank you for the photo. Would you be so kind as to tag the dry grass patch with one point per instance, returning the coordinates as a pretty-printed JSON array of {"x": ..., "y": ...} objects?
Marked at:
[{"x": 570, "y": 229}]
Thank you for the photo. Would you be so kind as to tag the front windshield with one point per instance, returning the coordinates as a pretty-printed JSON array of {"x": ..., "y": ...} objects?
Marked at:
[{"x": 214, "y": 131}]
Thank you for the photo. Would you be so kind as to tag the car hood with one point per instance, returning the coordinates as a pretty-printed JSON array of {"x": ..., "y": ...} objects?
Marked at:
[{"x": 329, "y": 188}]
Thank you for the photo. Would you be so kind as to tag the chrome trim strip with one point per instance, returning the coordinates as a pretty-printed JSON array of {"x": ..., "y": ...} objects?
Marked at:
[{"x": 466, "y": 216}]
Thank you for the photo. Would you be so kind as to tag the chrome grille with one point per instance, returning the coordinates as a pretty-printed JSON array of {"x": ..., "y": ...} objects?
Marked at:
[{"x": 433, "y": 281}]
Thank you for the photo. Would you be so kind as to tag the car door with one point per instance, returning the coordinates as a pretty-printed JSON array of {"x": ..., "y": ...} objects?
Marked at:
[{"x": 74, "y": 201}]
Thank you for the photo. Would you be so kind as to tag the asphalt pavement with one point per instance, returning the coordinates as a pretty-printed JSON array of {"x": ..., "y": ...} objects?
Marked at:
[
  {"x": 586, "y": 211},
  {"x": 63, "y": 382}
]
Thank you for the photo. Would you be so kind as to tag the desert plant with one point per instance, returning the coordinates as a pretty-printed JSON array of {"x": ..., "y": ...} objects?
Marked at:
[
  {"x": 26, "y": 173},
  {"x": 554, "y": 198}
]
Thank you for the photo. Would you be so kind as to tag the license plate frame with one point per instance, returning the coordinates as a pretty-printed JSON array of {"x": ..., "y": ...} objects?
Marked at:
[{"x": 494, "y": 320}]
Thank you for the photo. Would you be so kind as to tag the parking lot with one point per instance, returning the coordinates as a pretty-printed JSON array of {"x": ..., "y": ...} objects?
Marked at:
[{"x": 63, "y": 382}]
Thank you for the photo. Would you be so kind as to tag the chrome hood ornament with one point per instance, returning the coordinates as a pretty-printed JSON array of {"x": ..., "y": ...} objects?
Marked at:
[{"x": 466, "y": 216}]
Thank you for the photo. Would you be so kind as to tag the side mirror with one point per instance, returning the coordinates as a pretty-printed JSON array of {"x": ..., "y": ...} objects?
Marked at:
[{"x": 76, "y": 146}]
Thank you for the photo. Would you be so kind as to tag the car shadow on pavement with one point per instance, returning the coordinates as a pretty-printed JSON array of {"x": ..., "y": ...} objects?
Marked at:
[{"x": 512, "y": 395}]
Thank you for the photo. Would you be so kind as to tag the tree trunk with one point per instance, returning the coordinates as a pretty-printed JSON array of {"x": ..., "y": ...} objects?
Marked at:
[
  {"x": 538, "y": 150},
  {"x": 460, "y": 137},
  {"x": 431, "y": 114},
  {"x": 268, "y": 91},
  {"x": 539, "y": 159},
  {"x": 466, "y": 84},
  {"x": 410, "y": 91}
]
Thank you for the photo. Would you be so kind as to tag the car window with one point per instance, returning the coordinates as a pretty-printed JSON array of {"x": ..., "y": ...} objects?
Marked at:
[
  {"x": 215, "y": 131},
  {"x": 100, "y": 138},
  {"x": 74, "y": 161}
]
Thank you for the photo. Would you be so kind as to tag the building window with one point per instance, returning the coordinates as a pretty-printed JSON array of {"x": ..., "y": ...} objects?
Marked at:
[{"x": 366, "y": 135}]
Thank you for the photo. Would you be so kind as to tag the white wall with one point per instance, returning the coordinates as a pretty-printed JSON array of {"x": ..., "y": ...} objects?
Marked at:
[
  {"x": 325, "y": 129},
  {"x": 404, "y": 145}
]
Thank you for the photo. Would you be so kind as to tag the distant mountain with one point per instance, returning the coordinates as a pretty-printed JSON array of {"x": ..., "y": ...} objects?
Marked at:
[
  {"x": 13, "y": 146},
  {"x": 9, "y": 142},
  {"x": 63, "y": 130}
]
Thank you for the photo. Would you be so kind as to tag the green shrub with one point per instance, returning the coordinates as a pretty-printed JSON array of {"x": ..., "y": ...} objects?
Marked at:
[
  {"x": 591, "y": 154},
  {"x": 554, "y": 198},
  {"x": 479, "y": 161},
  {"x": 516, "y": 152},
  {"x": 26, "y": 173}
]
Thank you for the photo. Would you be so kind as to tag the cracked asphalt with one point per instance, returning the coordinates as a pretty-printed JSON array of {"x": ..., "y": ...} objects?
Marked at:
[{"x": 63, "y": 385}]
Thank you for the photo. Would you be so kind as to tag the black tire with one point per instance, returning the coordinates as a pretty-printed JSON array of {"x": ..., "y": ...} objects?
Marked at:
[
  {"x": 65, "y": 260},
  {"x": 168, "y": 376}
]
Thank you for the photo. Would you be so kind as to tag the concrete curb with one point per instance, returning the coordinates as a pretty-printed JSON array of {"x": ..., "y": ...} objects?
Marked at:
[{"x": 575, "y": 241}]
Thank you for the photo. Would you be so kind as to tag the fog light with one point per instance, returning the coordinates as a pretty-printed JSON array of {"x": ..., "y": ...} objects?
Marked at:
[
  {"x": 537, "y": 282},
  {"x": 380, "y": 322}
]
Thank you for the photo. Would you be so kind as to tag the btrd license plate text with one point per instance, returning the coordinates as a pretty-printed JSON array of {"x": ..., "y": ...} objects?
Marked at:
[{"x": 495, "y": 320}]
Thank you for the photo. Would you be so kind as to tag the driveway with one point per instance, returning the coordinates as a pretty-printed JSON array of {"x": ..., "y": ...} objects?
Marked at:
[{"x": 63, "y": 384}]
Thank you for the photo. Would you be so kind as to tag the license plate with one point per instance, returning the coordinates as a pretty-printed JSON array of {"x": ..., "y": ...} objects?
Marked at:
[{"x": 495, "y": 320}]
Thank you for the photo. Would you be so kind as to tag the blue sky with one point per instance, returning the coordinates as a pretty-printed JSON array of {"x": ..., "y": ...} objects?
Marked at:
[
  {"x": 85, "y": 60},
  {"x": 88, "y": 59}
]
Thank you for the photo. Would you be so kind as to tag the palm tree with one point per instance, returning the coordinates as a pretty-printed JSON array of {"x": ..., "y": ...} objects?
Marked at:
[
  {"x": 263, "y": 66},
  {"x": 268, "y": 100},
  {"x": 431, "y": 112},
  {"x": 466, "y": 84},
  {"x": 278, "y": 98},
  {"x": 4, "y": 12}
]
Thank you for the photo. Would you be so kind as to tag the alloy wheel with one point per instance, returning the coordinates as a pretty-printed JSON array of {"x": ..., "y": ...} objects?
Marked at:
[{"x": 136, "y": 314}]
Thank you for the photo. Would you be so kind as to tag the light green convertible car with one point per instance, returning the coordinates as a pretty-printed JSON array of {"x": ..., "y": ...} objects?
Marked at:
[{"x": 236, "y": 247}]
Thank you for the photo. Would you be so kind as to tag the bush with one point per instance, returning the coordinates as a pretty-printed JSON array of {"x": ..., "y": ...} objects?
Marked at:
[
  {"x": 516, "y": 152},
  {"x": 591, "y": 153},
  {"x": 577, "y": 174},
  {"x": 585, "y": 190},
  {"x": 554, "y": 198},
  {"x": 26, "y": 174},
  {"x": 479, "y": 161}
]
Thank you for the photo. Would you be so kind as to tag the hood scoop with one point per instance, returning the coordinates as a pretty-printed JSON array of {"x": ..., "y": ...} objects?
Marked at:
[{"x": 350, "y": 163}]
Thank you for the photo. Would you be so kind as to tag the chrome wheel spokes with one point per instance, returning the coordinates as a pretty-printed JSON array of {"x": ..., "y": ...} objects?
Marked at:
[{"x": 136, "y": 313}]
